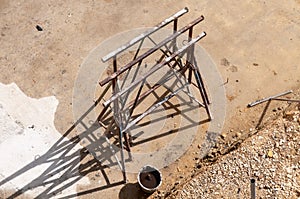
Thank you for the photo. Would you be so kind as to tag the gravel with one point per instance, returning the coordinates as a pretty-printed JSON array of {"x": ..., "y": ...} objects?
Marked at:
[{"x": 271, "y": 157}]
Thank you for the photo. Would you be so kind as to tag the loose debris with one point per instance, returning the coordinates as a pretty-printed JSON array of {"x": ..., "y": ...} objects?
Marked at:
[{"x": 271, "y": 157}]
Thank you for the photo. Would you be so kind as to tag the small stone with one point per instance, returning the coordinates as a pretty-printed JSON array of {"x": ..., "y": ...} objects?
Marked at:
[
  {"x": 270, "y": 154},
  {"x": 238, "y": 134},
  {"x": 223, "y": 135},
  {"x": 178, "y": 169},
  {"x": 39, "y": 28},
  {"x": 177, "y": 183},
  {"x": 289, "y": 113}
]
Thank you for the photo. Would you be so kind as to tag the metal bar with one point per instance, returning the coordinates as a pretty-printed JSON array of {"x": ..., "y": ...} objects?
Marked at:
[
  {"x": 190, "y": 55},
  {"x": 152, "y": 50},
  {"x": 136, "y": 54},
  {"x": 197, "y": 76},
  {"x": 193, "y": 98},
  {"x": 132, "y": 80},
  {"x": 175, "y": 27},
  {"x": 145, "y": 34},
  {"x": 163, "y": 80},
  {"x": 195, "y": 65},
  {"x": 252, "y": 188},
  {"x": 152, "y": 108},
  {"x": 155, "y": 68},
  {"x": 286, "y": 100},
  {"x": 165, "y": 53},
  {"x": 114, "y": 82},
  {"x": 269, "y": 98},
  {"x": 116, "y": 107},
  {"x": 135, "y": 102},
  {"x": 186, "y": 92}
]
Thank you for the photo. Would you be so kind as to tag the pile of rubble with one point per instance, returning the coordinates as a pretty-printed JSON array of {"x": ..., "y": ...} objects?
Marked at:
[{"x": 271, "y": 157}]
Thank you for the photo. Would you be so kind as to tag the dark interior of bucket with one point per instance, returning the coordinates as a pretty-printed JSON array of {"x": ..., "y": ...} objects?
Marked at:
[{"x": 150, "y": 178}]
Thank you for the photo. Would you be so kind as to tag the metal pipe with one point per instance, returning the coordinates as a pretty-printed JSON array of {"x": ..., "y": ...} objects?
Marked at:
[
  {"x": 152, "y": 50},
  {"x": 287, "y": 100},
  {"x": 201, "y": 89},
  {"x": 155, "y": 68},
  {"x": 252, "y": 188},
  {"x": 145, "y": 34},
  {"x": 269, "y": 98}
]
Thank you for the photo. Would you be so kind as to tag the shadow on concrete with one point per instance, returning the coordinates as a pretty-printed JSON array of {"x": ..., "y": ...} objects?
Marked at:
[
  {"x": 67, "y": 163},
  {"x": 132, "y": 191}
]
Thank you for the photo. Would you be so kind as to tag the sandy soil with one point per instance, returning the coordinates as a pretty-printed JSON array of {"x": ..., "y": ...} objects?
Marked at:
[{"x": 254, "y": 43}]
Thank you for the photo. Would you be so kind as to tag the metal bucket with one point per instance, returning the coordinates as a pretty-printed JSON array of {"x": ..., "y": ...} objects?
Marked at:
[{"x": 149, "y": 179}]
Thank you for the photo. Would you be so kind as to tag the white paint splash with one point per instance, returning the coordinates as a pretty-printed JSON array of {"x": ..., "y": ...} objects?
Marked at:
[{"x": 27, "y": 132}]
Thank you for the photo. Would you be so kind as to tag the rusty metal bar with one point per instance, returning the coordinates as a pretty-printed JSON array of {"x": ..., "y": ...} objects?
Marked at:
[
  {"x": 145, "y": 34},
  {"x": 155, "y": 68},
  {"x": 269, "y": 98},
  {"x": 152, "y": 50},
  {"x": 175, "y": 27}
]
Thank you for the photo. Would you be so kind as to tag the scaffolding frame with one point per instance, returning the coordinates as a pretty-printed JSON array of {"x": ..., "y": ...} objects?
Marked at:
[{"x": 172, "y": 57}]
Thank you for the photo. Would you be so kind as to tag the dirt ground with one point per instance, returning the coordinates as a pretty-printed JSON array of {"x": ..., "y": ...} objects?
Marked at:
[{"x": 254, "y": 43}]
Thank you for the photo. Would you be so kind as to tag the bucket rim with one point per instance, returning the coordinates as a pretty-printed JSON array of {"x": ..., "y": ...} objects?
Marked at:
[{"x": 149, "y": 190}]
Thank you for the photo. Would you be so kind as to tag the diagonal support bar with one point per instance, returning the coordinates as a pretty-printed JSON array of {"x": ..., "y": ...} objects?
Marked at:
[{"x": 152, "y": 108}]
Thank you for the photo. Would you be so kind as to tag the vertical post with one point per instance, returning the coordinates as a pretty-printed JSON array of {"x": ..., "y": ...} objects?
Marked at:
[
  {"x": 174, "y": 31},
  {"x": 252, "y": 188},
  {"x": 200, "y": 78},
  {"x": 115, "y": 69},
  {"x": 115, "y": 90},
  {"x": 201, "y": 86},
  {"x": 191, "y": 56}
]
